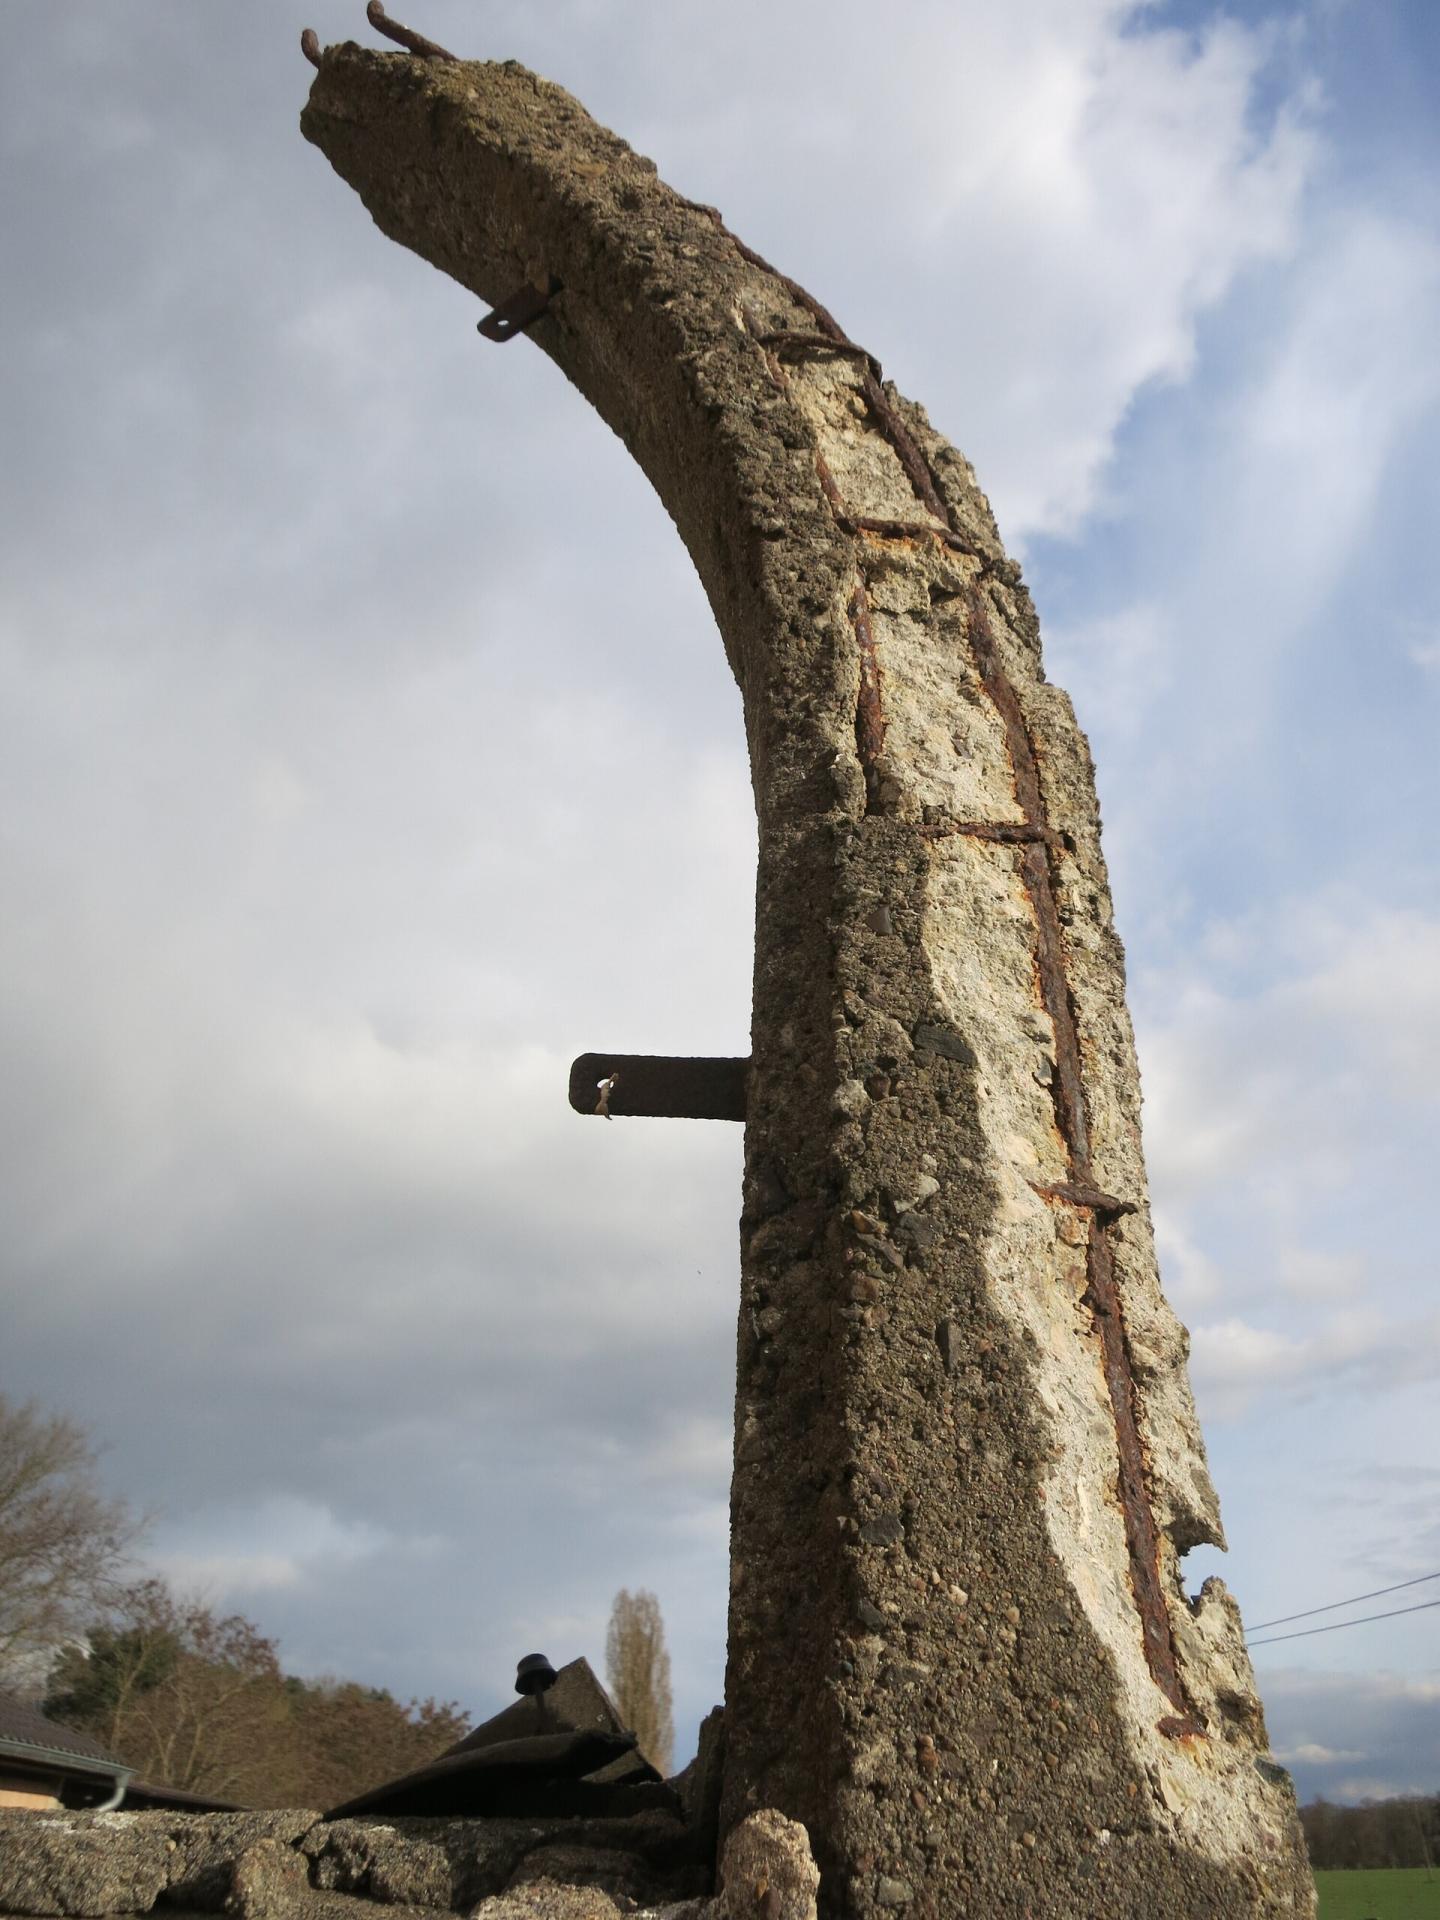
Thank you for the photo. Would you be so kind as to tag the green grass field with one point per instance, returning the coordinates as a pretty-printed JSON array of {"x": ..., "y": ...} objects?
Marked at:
[{"x": 1399, "y": 1893}]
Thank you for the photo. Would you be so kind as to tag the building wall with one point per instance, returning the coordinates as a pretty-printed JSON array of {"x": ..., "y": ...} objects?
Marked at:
[{"x": 27, "y": 1791}]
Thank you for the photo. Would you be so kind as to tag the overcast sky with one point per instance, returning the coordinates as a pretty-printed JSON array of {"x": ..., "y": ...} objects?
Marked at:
[{"x": 367, "y": 751}]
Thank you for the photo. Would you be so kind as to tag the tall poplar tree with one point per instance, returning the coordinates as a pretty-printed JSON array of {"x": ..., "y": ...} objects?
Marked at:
[{"x": 638, "y": 1668}]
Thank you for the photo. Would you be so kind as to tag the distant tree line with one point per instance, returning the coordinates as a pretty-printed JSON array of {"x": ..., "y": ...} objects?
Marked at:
[
  {"x": 192, "y": 1699},
  {"x": 185, "y": 1696},
  {"x": 1404, "y": 1832}
]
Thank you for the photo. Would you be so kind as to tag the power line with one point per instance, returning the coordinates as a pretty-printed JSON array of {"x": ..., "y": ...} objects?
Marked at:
[
  {"x": 1353, "y": 1601},
  {"x": 1336, "y": 1625}
]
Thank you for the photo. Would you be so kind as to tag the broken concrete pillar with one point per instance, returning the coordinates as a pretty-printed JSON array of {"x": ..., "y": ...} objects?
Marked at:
[{"x": 966, "y": 1458}]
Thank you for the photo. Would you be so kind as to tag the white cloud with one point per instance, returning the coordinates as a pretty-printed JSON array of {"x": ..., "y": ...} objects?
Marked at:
[
  {"x": 1192, "y": 1278},
  {"x": 1312, "y": 1753},
  {"x": 1131, "y": 652},
  {"x": 1254, "y": 523},
  {"x": 1271, "y": 1049},
  {"x": 1346, "y": 379},
  {"x": 1067, "y": 186},
  {"x": 1234, "y": 1362},
  {"x": 1313, "y": 1274},
  {"x": 1290, "y": 1064}
]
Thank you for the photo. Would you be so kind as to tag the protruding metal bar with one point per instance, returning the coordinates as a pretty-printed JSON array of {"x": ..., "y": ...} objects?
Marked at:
[
  {"x": 521, "y": 310},
  {"x": 1011, "y": 833},
  {"x": 659, "y": 1086},
  {"x": 1080, "y": 1194},
  {"x": 404, "y": 36},
  {"x": 787, "y": 340},
  {"x": 310, "y": 46}
]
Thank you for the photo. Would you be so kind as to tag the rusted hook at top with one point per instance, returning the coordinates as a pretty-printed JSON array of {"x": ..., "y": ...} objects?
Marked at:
[
  {"x": 310, "y": 46},
  {"x": 404, "y": 36}
]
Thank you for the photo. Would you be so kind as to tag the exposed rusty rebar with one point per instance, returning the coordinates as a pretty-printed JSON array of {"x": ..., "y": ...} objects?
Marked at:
[
  {"x": 310, "y": 46},
  {"x": 1067, "y": 1090},
  {"x": 1006, "y": 833},
  {"x": 911, "y": 530},
  {"x": 869, "y": 711},
  {"x": 404, "y": 36},
  {"x": 1077, "y": 1194},
  {"x": 1039, "y": 841},
  {"x": 788, "y": 340}
]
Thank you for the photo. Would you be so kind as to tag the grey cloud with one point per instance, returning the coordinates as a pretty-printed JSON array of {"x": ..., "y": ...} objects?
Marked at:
[{"x": 1354, "y": 1736}]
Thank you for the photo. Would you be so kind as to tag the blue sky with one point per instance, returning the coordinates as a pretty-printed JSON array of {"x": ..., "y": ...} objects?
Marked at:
[{"x": 329, "y": 781}]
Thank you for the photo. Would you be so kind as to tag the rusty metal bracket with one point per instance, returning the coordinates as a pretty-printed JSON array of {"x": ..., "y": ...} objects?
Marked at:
[
  {"x": 658, "y": 1086},
  {"x": 519, "y": 312},
  {"x": 405, "y": 36}
]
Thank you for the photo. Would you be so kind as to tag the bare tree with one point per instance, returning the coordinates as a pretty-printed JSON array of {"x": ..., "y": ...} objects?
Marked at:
[
  {"x": 63, "y": 1543},
  {"x": 638, "y": 1668},
  {"x": 185, "y": 1696}
]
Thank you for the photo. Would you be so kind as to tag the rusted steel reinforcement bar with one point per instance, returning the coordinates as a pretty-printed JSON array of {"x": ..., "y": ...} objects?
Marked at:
[
  {"x": 784, "y": 340},
  {"x": 822, "y": 469},
  {"x": 824, "y": 319},
  {"x": 1036, "y": 836},
  {"x": 1013, "y": 833},
  {"x": 404, "y": 36},
  {"x": 869, "y": 708},
  {"x": 869, "y": 703},
  {"x": 1140, "y": 1530},
  {"x": 1038, "y": 840},
  {"x": 659, "y": 1086},
  {"x": 910, "y": 530},
  {"x": 1068, "y": 1092},
  {"x": 917, "y": 470},
  {"x": 1068, "y": 1084},
  {"x": 1078, "y": 1195}
]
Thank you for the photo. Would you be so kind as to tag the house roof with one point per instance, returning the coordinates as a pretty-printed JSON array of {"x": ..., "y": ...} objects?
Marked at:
[
  {"x": 153, "y": 1796},
  {"x": 27, "y": 1735}
]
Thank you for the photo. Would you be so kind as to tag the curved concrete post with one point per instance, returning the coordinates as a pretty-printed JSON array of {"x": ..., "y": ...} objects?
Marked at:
[{"x": 966, "y": 1456}]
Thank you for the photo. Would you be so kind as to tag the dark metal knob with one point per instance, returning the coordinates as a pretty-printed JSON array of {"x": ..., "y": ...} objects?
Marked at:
[{"x": 534, "y": 1674}]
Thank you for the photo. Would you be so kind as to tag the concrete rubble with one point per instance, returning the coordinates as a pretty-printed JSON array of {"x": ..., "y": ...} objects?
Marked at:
[{"x": 297, "y": 1866}]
